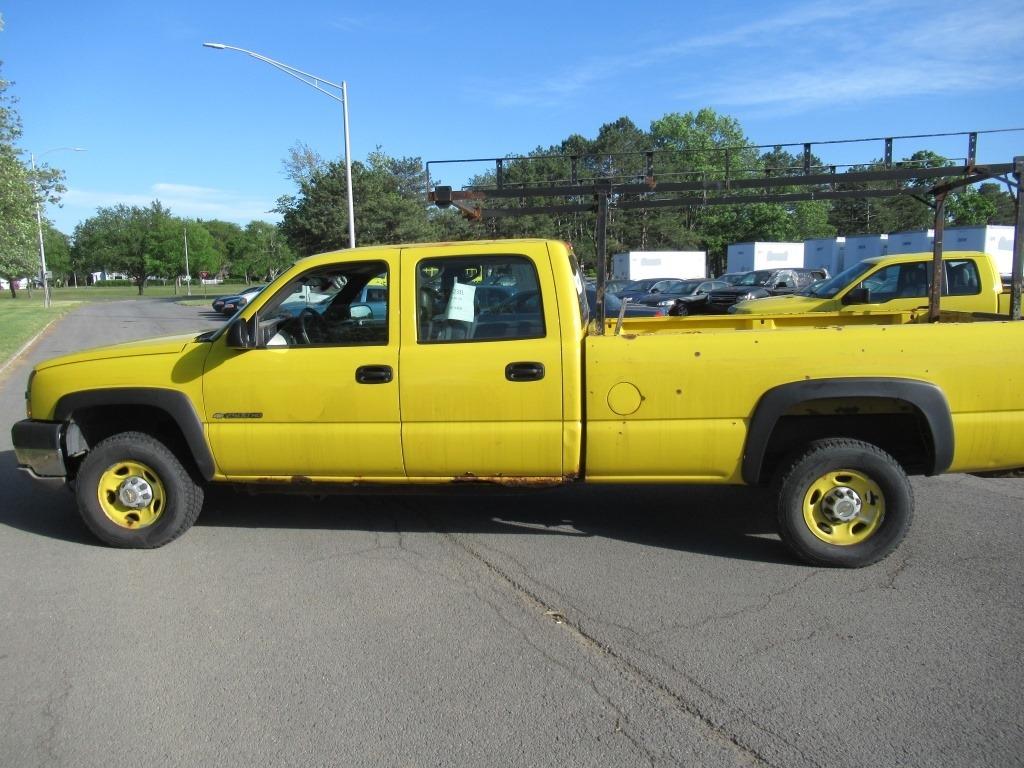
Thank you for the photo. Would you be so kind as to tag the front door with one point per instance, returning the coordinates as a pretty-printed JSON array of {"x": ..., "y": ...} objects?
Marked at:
[
  {"x": 481, "y": 360},
  {"x": 320, "y": 399}
]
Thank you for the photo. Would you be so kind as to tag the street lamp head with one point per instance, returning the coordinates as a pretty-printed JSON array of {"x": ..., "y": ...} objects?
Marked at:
[{"x": 218, "y": 46}]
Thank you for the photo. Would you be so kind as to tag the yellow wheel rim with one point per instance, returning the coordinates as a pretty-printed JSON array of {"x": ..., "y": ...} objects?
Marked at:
[
  {"x": 844, "y": 507},
  {"x": 131, "y": 494}
]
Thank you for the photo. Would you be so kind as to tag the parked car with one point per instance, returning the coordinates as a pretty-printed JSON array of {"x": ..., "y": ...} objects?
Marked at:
[
  {"x": 640, "y": 288},
  {"x": 234, "y": 303},
  {"x": 687, "y": 298},
  {"x": 616, "y": 286},
  {"x": 218, "y": 303},
  {"x": 764, "y": 282},
  {"x": 613, "y": 305},
  {"x": 524, "y": 307}
]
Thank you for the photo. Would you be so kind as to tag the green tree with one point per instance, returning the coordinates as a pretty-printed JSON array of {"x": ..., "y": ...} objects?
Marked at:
[
  {"x": 264, "y": 252},
  {"x": 227, "y": 244},
  {"x": 58, "y": 251},
  {"x": 21, "y": 191},
  {"x": 388, "y": 200},
  {"x": 130, "y": 239},
  {"x": 1002, "y": 201},
  {"x": 969, "y": 207}
]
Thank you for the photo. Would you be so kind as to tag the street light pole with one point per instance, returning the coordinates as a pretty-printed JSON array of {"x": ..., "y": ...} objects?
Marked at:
[
  {"x": 313, "y": 81},
  {"x": 39, "y": 220}
]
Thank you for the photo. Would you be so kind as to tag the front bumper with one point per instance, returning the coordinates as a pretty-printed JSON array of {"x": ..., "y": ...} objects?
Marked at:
[{"x": 38, "y": 446}]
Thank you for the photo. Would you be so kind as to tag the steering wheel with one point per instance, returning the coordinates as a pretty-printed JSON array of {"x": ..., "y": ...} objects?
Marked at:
[{"x": 312, "y": 327}]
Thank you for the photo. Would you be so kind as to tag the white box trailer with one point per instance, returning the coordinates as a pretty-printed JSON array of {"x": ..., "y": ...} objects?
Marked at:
[
  {"x": 827, "y": 252},
  {"x": 995, "y": 239},
  {"x": 640, "y": 265},
  {"x": 744, "y": 257},
  {"x": 915, "y": 241},
  {"x": 860, "y": 247}
]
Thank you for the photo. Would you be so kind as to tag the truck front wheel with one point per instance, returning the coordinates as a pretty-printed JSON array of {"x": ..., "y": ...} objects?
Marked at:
[
  {"x": 844, "y": 503},
  {"x": 133, "y": 492}
]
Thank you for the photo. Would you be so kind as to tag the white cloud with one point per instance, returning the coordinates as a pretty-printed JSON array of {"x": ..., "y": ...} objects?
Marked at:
[
  {"x": 815, "y": 54},
  {"x": 183, "y": 200}
]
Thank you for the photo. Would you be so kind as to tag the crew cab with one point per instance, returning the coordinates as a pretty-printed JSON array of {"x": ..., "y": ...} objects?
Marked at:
[
  {"x": 970, "y": 283},
  {"x": 445, "y": 389}
]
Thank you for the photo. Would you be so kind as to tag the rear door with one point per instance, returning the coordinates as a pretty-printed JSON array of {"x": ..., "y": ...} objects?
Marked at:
[{"x": 481, "y": 383}]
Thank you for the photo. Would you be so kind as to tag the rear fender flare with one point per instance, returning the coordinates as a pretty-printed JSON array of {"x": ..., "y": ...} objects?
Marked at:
[{"x": 927, "y": 398}]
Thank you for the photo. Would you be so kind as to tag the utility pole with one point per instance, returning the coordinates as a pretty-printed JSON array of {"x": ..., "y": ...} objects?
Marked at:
[{"x": 188, "y": 275}]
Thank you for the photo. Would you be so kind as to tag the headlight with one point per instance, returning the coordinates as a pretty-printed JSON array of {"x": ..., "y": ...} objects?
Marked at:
[
  {"x": 748, "y": 297},
  {"x": 666, "y": 302}
]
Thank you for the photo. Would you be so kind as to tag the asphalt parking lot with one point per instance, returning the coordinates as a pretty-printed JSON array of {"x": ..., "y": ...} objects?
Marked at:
[{"x": 616, "y": 626}]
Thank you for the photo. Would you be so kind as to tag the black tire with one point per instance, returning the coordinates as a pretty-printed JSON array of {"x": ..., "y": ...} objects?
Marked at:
[
  {"x": 180, "y": 497},
  {"x": 805, "y": 514},
  {"x": 678, "y": 310}
]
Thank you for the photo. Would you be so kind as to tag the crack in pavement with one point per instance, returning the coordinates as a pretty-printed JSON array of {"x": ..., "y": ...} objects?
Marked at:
[{"x": 724, "y": 736}]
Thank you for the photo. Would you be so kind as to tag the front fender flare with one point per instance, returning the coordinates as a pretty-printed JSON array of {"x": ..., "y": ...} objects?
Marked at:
[{"x": 175, "y": 404}]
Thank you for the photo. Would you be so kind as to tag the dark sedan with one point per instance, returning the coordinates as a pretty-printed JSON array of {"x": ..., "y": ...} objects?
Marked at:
[
  {"x": 234, "y": 303},
  {"x": 613, "y": 305},
  {"x": 641, "y": 288},
  {"x": 764, "y": 282},
  {"x": 689, "y": 297},
  {"x": 220, "y": 301}
]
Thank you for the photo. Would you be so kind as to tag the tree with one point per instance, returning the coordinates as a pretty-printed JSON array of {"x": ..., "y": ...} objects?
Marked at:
[
  {"x": 1003, "y": 202},
  {"x": 136, "y": 241},
  {"x": 389, "y": 203},
  {"x": 58, "y": 250},
  {"x": 20, "y": 192},
  {"x": 264, "y": 253},
  {"x": 969, "y": 208},
  {"x": 227, "y": 245}
]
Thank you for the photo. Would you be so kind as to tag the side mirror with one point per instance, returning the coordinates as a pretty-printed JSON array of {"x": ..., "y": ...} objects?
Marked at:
[
  {"x": 857, "y": 296},
  {"x": 359, "y": 311},
  {"x": 242, "y": 334}
]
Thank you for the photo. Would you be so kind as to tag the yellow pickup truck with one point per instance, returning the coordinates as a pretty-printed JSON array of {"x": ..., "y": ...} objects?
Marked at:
[
  {"x": 441, "y": 387},
  {"x": 970, "y": 283}
]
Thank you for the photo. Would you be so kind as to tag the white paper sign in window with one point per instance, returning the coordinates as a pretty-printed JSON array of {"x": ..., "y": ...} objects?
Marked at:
[{"x": 460, "y": 304}]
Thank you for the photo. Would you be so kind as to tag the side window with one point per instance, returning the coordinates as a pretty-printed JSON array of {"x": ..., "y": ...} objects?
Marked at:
[
  {"x": 962, "y": 278},
  {"x": 331, "y": 306},
  {"x": 478, "y": 298}
]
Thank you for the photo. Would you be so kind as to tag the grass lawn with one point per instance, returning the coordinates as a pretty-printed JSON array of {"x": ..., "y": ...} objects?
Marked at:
[
  {"x": 21, "y": 320},
  {"x": 118, "y": 293}
]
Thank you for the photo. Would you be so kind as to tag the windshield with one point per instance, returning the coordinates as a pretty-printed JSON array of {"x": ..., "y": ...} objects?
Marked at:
[
  {"x": 685, "y": 288},
  {"x": 827, "y": 289},
  {"x": 760, "y": 277},
  {"x": 642, "y": 286}
]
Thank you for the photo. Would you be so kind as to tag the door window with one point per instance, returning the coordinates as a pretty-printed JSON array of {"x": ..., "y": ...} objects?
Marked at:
[
  {"x": 337, "y": 305},
  {"x": 478, "y": 298}
]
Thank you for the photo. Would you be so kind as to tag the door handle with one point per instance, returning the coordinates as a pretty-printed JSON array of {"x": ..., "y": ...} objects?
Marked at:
[
  {"x": 524, "y": 371},
  {"x": 374, "y": 374}
]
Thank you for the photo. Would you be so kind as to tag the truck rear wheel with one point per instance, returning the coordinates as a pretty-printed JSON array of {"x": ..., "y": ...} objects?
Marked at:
[
  {"x": 133, "y": 492},
  {"x": 844, "y": 503}
]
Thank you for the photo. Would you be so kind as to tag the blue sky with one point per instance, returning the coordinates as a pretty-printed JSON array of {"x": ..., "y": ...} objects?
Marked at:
[{"x": 205, "y": 131}]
